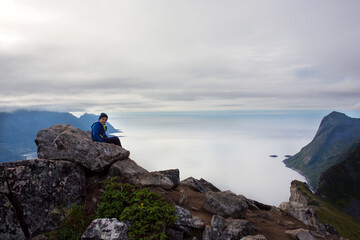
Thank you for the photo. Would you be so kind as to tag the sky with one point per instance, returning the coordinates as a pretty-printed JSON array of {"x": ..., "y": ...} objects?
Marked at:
[{"x": 164, "y": 55}]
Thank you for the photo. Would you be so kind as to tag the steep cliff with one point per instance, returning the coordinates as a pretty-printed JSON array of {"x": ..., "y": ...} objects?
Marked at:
[
  {"x": 340, "y": 184},
  {"x": 337, "y": 135}
]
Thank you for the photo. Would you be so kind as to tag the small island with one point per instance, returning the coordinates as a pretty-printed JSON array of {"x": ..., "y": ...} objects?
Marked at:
[
  {"x": 274, "y": 156},
  {"x": 287, "y": 156}
]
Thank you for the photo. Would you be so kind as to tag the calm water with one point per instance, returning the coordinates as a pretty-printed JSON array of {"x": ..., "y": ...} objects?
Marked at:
[{"x": 228, "y": 148}]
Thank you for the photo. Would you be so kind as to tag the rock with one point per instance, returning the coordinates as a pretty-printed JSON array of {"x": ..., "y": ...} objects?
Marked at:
[
  {"x": 163, "y": 179},
  {"x": 207, "y": 233},
  {"x": 217, "y": 223},
  {"x": 296, "y": 195},
  {"x": 300, "y": 234},
  {"x": 236, "y": 229},
  {"x": 201, "y": 185},
  {"x": 43, "y": 190},
  {"x": 174, "y": 234},
  {"x": 209, "y": 186},
  {"x": 285, "y": 223},
  {"x": 9, "y": 225},
  {"x": 255, "y": 205},
  {"x": 186, "y": 219},
  {"x": 254, "y": 237},
  {"x": 125, "y": 169},
  {"x": 183, "y": 197},
  {"x": 226, "y": 204},
  {"x": 106, "y": 229},
  {"x": 66, "y": 142}
]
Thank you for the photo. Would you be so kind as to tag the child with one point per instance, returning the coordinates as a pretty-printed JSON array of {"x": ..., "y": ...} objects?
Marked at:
[{"x": 98, "y": 130}]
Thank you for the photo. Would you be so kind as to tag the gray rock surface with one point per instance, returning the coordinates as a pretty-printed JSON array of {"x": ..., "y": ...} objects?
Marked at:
[
  {"x": 254, "y": 237},
  {"x": 217, "y": 224},
  {"x": 226, "y": 204},
  {"x": 236, "y": 229},
  {"x": 9, "y": 225},
  {"x": 300, "y": 234},
  {"x": 207, "y": 233},
  {"x": 167, "y": 179},
  {"x": 43, "y": 190},
  {"x": 106, "y": 229},
  {"x": 201, "y": 185},
  {"x": 125, "y": 169},
  {"x": 186, "y": 219},
  {"x": 66, "y": 142}
]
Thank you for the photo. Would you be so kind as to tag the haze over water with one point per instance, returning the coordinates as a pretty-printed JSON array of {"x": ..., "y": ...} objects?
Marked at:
[{"x": 228, "y": 148}]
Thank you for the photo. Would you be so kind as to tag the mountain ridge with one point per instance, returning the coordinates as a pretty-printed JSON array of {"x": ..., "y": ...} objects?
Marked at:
[{"x": 336, "y": 136}]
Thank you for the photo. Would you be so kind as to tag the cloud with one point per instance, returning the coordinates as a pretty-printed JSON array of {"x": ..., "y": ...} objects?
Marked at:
[{"x": 167, "y": 55}]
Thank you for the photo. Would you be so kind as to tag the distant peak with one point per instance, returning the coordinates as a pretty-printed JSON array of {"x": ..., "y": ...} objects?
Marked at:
[{"x": 335, "y": 114}]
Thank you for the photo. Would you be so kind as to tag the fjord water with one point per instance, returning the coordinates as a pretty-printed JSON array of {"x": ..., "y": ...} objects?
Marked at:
[{"x": 228, "y": 148}]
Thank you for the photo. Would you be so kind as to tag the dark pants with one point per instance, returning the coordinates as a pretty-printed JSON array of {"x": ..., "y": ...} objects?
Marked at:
[{"x": 114, "y": 140}]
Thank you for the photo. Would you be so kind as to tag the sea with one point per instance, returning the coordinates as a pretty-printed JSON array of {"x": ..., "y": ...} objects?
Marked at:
[
  {"x": 241, "y": 151},
  {"x": 234, "y": 150}
]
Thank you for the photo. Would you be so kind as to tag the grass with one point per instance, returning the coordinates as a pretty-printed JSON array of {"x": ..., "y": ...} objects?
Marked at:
[{"x": 345, "y": 225}]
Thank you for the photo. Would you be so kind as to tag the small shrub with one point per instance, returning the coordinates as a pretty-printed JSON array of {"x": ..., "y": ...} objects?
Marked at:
[
  {"x": 148, "y": 212},
  {"x": 73, "y": 225}
]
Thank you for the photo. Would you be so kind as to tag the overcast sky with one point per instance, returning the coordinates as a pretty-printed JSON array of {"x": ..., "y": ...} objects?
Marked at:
[{"x": 95, "y": 56}]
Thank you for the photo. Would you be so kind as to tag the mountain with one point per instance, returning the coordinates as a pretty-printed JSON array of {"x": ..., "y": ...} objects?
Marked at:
[
  {"x": 337, "y": 135},
  {"x": 340, "y": 184},
  {"x": 18, "y": 129}
]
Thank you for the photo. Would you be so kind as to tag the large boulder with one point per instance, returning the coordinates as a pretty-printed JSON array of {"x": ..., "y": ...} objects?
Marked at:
[
  {"x": 184, "y": 218},
  {"x": 69, "y": 143},
  {"x": 233, "y": 229},
  {"x": 167, "y": 179},
  {"x": 201, "y": 185},
  {"x": 9, "y": 224},
  {"x": 125, "y": 169},
  {"x": 42, "y": 190},
  {"x": 106, "y": 229},
  {"x": 236, "y": 229},
  {"x": 226, "y": 204}
]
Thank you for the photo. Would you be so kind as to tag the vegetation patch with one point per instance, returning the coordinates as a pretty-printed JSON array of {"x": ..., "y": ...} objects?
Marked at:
[
  {"x": 148, "y": 212},
  {"x": 345, "y": 225},
  {"x": 73, "y": 225}
]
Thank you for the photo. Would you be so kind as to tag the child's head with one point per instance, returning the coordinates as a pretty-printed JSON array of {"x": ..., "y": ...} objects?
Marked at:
[{"x": 103, "y": 118}]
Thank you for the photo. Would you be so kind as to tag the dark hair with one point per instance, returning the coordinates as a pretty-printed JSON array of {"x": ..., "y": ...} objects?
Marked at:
[{"x": 103, "y": 115}]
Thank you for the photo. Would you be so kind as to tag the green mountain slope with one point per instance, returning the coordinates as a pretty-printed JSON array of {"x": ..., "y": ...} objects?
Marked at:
[
  {"x": 340, "y": 184},
  {"x": 336, "y": 137},
  {"x": 328, "y": 214}
]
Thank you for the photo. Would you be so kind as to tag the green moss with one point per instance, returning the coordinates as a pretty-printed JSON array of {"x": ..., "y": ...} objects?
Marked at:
[
  {"x": 148, "y": 211},
  {"x": 345, "y": 225}
]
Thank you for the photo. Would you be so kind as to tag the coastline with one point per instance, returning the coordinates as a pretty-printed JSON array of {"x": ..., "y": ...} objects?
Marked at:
[{"x": 298, "y": 171}]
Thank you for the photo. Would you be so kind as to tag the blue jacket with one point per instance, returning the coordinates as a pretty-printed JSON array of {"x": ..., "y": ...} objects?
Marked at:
[{"x": 98, "y": 132}]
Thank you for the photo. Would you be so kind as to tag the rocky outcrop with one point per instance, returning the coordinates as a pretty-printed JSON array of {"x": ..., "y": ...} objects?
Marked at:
[
  {"x": 167, "y": 179},
  {"x": 41, "y": 190},
  {"x": 12, "y": 228},
  {"x": 227, "y": 229},
  {"x": 184, "y": 218},
  {"x": 66, "y": 142},
  {"x": 125, "y": 169},
  {"x": 106, "y": 229},
  {"x": 299, "y": 209},
  {"x": 226, "y": 204},
  {"x": 201, "y": 185}
]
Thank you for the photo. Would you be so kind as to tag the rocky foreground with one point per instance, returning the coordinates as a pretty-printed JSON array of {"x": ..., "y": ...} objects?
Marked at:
[{"x": 35, "y": 194}]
